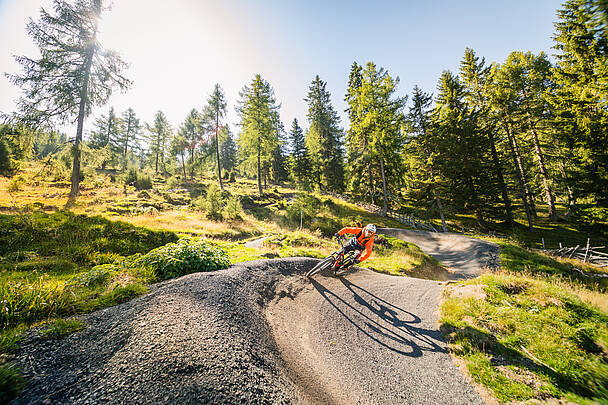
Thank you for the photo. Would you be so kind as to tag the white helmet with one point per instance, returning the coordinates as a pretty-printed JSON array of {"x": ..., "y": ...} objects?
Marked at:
[{"x": 371, "y": 228}]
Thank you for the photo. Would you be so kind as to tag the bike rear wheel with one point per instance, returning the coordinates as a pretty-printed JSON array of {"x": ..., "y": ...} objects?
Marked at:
[{"x": 322, "y": 265}]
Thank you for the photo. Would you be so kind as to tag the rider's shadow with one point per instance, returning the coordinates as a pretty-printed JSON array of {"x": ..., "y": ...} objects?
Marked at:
[{"x": 390, "y": 326}]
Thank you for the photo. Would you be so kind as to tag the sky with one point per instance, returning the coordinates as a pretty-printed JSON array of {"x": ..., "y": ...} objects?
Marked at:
[{"x": 177, "y": 50}]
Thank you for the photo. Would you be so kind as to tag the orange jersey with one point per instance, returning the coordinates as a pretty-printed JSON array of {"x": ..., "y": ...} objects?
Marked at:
[{"x": 367, "y": 242}]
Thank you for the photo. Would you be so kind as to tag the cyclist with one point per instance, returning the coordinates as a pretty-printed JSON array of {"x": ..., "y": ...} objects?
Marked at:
[{"x": 363, "y": 240}]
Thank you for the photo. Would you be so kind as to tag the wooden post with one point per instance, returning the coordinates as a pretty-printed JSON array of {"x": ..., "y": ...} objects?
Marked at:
[
  {"x": 560, "y": 245},
  {"x": 586, "y": 252},
  {"x": 543, "y": 243},
  {"x": 301, "y": 211}
]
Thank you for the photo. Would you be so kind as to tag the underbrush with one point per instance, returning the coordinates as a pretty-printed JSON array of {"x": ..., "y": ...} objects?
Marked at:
[{"x": 530, "y": 333}]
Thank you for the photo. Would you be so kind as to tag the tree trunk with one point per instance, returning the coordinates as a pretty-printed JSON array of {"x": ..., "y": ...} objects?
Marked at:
[
  {"x": 259, "y": 170},
  {"x": 127, "y": 140},
  {"x": 74, "y": 189},
  {"x": 571, "y": 199},
  {"x": 217, "y": 150},
  {"x": 440, "y": 206},
  {"x": 521, "y": 175},
  {"x": 184, "y": 167},
  {"x": 384, "y": 205},
  {"x": 543, "y": 170},
  {"x": 501, "y": 180}
]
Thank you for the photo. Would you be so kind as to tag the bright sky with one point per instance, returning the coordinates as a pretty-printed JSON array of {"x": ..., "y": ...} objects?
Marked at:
[{"x": 178, "y": 49}]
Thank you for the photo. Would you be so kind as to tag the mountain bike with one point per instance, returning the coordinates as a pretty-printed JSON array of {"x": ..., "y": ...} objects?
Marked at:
[{"x": 336, "y": 260}]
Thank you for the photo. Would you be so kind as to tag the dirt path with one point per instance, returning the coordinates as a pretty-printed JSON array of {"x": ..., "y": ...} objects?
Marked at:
[
  {"x": 367, "y": 338},
  {"x": 466, "y": 257}
]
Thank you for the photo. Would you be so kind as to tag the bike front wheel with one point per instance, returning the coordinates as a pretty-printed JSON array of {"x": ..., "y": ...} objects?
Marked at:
[{"x": 322, "y": 265}]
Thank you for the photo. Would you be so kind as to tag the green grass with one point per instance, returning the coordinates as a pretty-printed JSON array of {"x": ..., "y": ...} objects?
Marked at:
[
  {"x": 11, "y": 382},
  {"x": 531, "y": 331},
  {"x": 62, "y": 328}
]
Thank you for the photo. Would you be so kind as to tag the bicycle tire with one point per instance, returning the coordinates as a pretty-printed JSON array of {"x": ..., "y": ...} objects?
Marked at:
[{"x": 322, "y": 265}]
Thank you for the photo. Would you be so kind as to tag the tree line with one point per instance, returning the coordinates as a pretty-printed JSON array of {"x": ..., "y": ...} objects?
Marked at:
[{"x": 494, "y": 137}]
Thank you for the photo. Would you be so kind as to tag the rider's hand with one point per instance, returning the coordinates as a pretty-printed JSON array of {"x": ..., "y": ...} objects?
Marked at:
[{"x": 336, "y": 235}]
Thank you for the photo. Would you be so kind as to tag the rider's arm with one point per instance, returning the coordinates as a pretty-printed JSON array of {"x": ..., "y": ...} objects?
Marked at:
[
  {"x": 368, "y": 250},
  {"x": 354, "y": 231}
]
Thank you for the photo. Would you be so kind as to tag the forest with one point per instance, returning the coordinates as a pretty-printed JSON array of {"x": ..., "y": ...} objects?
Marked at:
[{"x": 501, "y": 142}]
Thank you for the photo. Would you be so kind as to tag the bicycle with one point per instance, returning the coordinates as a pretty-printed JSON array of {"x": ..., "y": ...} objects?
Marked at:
[{"x": 335, "y": 260}]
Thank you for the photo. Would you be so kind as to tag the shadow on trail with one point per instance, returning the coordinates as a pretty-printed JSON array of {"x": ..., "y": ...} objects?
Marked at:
[{"x": 386, "y": 324}]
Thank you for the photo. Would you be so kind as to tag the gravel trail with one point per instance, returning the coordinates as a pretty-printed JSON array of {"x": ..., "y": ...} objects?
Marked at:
[
  {"x": 259, "y": 333},
  {"x": 466, "y": 257}
]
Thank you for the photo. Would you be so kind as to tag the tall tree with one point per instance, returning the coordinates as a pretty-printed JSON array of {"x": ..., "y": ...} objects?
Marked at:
[
  {"x": 160, "y": 137},
  {"x": 379, "y": 123},
  {"x": 131, "y": 133},
  {"x": 300, "y": 161},
  {"x": 324, "y": 138},
  {"x": 257, "y": 110},
  {"x": 228, "y": 149},
  {"x": 418, "y": 151},
  {"x": 477, "y": 83},
  {"x": 73, "y": 74},
  {"x": 580, "y": 97},
  {"x": 213, "y": 113},
  {"x": 190, "y": 131},
  {"x": 106, "y": 136}
]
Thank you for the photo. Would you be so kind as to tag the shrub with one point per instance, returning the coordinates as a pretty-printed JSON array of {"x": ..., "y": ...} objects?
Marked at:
[
  {"x": 174, "y": 182},
  {"x": 144, "y": 182},
  {"x": 98, "y": 275},
  {"x": 16, "y": 184},
  {"x": 200, "y": 203},
  {"x": 5, "y": 158},
  {"x": 214, "y": 203},
  {"x": 232, "y": 177},
  {"x": 130, "y": 176},
  {"x": 233, "y": 209},
  {"x": 184, "y": 257}
]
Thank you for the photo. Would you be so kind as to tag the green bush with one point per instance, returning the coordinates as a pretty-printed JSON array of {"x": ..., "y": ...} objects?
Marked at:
[
  {"x": 307, "y": 204},
  {"x": 214, "y": 203},
  {"x": 16, "y": 184},
  {"x": 130, "y": 176},
  {"x": 144, "y": 182},
  {"x": 232, "y": 177},
  {"x": 98, "y": 275},
  {"x": 234, "y": 209},
  {"x": 184, "y": 257},
  {"x": 5, "y": 158},
  {"x": 174, "y": 182}
]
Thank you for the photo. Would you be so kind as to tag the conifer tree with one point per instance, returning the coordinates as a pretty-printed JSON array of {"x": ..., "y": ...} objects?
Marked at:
[
  {"x": 160, "y": 138},
  {"x": 131, "y": 133},
  {"x": 106, "y": 136},
  {"x": 378, "y": 125},
  {"x": 324, "y": 138},
  {"x": 73, "y": 74},
  {"x": 190, "y": 131},
  {"x": 213, "y": 113},
  {"x": 228, "y": 149},
  {"x": 300, "y": 167},
  {"x": 257, "y": 110},
  {"x": 579, "y": 98},
  {"x": 477, "y": 82}
]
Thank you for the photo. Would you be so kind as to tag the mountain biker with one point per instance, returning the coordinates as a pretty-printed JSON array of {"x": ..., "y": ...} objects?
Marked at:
[{"x": 363, "y": 240}]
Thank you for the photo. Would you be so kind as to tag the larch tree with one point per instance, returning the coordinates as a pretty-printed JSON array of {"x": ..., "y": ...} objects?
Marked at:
[
  {"x": 190, "y": 132},
  {"x": 300, "y": 161},
  {"x": 106, "y": 136},
  {"x": 257, "y": 110},
  {"x": 213, "y": 113},
  {"x": 476, "y": 79},
  {"x": 131, "y": 133},
  {"x": 379, "y": 123},
  {"x": 324, "y": 138},
  {"x": 160, "y": 134},
  {"x": 73, "y": 74}
]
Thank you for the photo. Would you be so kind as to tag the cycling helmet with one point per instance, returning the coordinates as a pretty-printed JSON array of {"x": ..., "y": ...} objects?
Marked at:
[{"x": 371, "y": 228}]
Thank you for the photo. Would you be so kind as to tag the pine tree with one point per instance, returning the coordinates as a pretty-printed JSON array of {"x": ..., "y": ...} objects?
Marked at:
[
  {"x": 131, "y": 133},
  {"x": 580, "y": 96},
  {"x": 73, "y": 74},
  {"x": 228, "y": 149},
  {"x": 279, "y": 159},
  {"x": 378, "y": 125},
  {"x": 418, "y": 150},
  {"x": 300, "y": 167},
  {"x": 214, "y": 111},
  {"x": 190, "y": 132},
  {"x": 324, "y": 138},
  {"x": 477, "y": 81},
  {"x": 107, "y": 136},
  {"x": 257, "y": 110},
  {"x": 160, "y": 138}
]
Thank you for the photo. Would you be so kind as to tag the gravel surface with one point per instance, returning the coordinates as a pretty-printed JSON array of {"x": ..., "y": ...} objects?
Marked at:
[
  {"x": 261, "y": 333},
  {"x": 367, "y": 338},
  {"x": 466, "y": 257},
  {"x": 201, "y": 338}
]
